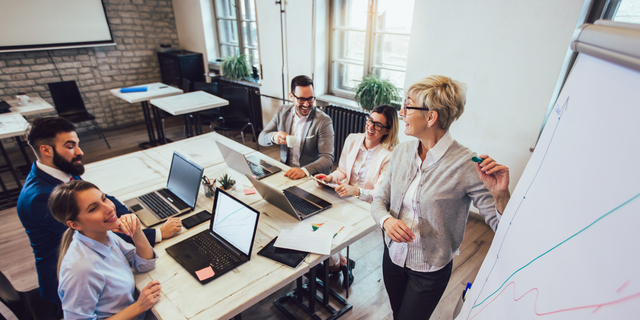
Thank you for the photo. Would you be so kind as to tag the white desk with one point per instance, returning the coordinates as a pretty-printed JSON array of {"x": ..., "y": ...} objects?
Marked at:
[
  {"x": 11, "y": 125},
  {"x": 35, "y": 105},
  {"x": 184, "y": 297},
  {"x": 154, "y": 90},
  {"x": 189, "y": 103}
]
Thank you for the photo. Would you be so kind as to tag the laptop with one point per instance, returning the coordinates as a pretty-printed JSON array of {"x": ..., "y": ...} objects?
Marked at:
[
  {"x": 178, "y": 197},
  {"x": 225, "y": 245},
  {"x": 255, "y": 166},
  {"x": 293, "y": 200}
]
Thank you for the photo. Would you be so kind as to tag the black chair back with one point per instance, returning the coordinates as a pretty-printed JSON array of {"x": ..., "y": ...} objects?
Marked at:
[
  {"x": 239, "y": 108},
  {"x": 211, "y": 88},
  {"x": 187, "y": 85},
  {"x": 67, "y": 98},
  {"x": 11, "y": 298}
]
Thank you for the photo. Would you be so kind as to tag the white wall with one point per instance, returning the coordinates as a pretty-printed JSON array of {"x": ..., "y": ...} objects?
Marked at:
[
  {"x": 195, "y": 29},
  {"x": 509, "y": 53}
]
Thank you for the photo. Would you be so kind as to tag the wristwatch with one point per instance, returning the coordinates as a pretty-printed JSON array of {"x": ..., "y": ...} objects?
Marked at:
[{"x": 359, "y": 193}]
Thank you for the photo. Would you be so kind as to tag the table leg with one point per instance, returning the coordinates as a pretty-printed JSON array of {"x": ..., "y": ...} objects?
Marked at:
[
  {"x": 23, "y": 170},
  {"x": 10, "y": 166},
  {"x": 148, "y": 121},
  {"x": 187, "y": 125},
  {"x": 312, "y": 291},
  {"x": 198, "y": 121},
  {"x": 162, "y": 139}
]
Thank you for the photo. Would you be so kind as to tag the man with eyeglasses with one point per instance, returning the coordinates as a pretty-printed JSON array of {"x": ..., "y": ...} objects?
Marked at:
[{"x": 304, "y": 133}]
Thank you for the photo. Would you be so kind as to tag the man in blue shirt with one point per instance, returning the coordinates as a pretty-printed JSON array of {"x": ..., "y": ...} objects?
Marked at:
[{"x": 55, "y": 143}]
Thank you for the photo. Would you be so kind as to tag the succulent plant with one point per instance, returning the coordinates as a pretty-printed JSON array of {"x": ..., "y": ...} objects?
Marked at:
[{"x": 226, "y": 182}]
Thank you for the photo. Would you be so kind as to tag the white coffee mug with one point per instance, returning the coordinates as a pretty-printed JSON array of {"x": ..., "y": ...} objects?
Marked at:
[
  {"x": 291, "y": 141},
  {"x": 23, "y": 99}
]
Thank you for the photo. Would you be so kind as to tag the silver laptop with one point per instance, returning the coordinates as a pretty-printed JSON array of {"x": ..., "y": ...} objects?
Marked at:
[
  {"x": 252, "y": 165},
  {"x": 293, "y": 200},
  {"x": 178, "y": 197}
]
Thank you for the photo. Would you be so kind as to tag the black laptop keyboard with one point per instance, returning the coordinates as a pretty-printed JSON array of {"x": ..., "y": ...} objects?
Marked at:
[
  {"x": 257, "y": 170},
  {"x": 212, "y": 251},
  {"x": 176, "y": 201},
  {"x": 157, "y": 205},
  {"x": 299, "y": 203}
]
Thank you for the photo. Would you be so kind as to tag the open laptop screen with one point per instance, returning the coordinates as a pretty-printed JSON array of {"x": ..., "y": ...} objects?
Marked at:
[
  {"x": 234, "y": 221},
  {"x": 184, "y": 179}
]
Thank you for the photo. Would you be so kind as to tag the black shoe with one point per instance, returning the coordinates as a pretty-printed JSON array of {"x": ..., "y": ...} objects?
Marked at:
[{"x": 347, "y": 274}]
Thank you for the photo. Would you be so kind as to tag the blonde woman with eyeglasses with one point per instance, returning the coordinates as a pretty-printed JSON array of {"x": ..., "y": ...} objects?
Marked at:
[
  {"x": 423, "y": 203},
  {"x": 363, "y": 163}
]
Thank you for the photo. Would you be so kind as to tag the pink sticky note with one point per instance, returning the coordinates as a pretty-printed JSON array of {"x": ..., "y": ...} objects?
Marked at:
[
  {"x": 205, "y": 273},
  {"x": 249, "y": 191}
]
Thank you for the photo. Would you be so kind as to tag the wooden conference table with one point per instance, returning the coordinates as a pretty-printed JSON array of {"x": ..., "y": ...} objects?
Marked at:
[{"x": 184, "y": 297}]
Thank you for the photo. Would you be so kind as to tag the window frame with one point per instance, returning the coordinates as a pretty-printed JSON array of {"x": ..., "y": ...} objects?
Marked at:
[
  {"x": 240, "y": 21},
  {"x": 368, "y": 64}
]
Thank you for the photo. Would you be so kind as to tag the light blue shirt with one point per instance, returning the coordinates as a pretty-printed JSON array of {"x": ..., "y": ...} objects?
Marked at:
[{"x": 95, "y": 279}]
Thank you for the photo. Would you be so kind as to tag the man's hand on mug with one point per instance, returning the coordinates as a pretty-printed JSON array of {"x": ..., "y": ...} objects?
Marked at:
[{"x": 280, "y": 137}]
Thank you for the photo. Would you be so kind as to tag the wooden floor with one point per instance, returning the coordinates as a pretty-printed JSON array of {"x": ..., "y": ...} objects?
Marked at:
[{"x": 367, "y": 295}]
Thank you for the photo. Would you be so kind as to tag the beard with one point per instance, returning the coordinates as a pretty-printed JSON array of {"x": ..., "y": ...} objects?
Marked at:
[{"x": 68, "y": 166}]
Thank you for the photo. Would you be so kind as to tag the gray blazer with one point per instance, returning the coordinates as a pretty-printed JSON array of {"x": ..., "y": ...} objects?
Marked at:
[{"x": 316, "y": 149}]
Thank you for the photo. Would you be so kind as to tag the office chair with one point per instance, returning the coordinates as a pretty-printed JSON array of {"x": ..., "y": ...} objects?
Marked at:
[
  {"x": 69, "y": 104},
  {"x": 26, "y": 305},
  {"x": 237, "y": 115},
  {"x": 209, "y": 117}
]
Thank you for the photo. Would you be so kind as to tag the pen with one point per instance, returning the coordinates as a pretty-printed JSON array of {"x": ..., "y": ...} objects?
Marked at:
[
  {"x": 476, "y": 159},
  {"x": 167, "y": 279},
  {"x": 163, "y": 87}
]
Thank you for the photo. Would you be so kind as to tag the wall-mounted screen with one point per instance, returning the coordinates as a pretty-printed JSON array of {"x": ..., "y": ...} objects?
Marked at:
[{"x": 51, "y": 24}]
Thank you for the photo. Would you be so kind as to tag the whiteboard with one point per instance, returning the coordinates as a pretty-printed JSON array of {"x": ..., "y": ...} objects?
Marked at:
[{"x": 568, "y": 244}]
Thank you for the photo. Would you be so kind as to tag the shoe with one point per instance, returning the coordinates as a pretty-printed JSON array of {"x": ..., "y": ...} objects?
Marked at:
[{"x": 347, "y": 274}]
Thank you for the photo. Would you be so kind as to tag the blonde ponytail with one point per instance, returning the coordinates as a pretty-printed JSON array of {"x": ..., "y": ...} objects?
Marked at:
[{"x": 64, "y": 246}]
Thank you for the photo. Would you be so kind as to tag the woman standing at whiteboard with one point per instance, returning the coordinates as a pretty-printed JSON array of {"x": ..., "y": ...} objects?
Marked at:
[
  {"x": 94, "y": 264},
  {"x": 423, "y": 202}
]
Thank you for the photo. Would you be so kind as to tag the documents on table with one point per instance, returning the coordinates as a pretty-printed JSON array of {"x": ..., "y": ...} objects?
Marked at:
[{"x": 315, "y": 235}]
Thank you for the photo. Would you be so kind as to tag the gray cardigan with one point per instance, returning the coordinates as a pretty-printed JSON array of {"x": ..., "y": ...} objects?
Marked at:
[
  {"x": 316, "y": 150},
  {"x": 445, "y": 194}
]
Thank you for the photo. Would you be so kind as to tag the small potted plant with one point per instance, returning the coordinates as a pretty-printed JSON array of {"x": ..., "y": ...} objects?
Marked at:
[
  {"x": 226, "y": 182},
  {"x": 235, "y": 67},
  {"x": 373, "y": 91}
]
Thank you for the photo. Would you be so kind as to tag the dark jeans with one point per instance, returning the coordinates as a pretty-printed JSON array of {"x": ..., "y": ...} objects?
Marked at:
[{"x": 413, "y": 295}]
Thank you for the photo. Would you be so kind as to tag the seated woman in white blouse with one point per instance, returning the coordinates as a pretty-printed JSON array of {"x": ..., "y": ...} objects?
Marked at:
[
  {"x": 94, "y": 266},
  {"x": 363, "y": 163}
]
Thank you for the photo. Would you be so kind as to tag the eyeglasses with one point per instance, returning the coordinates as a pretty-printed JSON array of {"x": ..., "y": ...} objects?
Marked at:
[
  {"x": 404, "y": 106},
  {"x": 376, "y": 125},
  {"x": 302, "y": 100}
]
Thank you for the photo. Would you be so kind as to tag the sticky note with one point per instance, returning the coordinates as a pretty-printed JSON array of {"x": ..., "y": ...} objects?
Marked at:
[
  {"x": 249, "y": 191},
  {"x": 205, "y": 273}
]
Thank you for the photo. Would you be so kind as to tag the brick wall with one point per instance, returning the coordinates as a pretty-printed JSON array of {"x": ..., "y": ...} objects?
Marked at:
[{"x": 138, "y": 27}]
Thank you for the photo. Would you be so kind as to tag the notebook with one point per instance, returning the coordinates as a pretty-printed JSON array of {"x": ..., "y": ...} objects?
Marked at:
[
  {"x": 225, "y": 245},
  {"x": 237, "y": 161},
  {"x": 293, "y": 200},
  {"x": 178, "y": 197}
]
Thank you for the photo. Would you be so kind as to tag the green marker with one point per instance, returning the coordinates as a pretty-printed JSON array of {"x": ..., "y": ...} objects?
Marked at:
[{"x": 476, "y": 159}]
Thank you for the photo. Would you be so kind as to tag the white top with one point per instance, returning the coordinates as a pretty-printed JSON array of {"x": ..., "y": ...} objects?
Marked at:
[
  {"x": 189, "y": 102},
  {"x": 297, "y": 127},
  {"x": 411, "y": 253},
  {"x": 54, "y": 172},
  {"x": 35, "y": 105},
  {"x": 154, "y": 90}
]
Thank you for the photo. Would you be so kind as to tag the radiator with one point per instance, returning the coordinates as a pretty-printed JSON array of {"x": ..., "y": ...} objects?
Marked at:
[{"x": 345, "y": 122}]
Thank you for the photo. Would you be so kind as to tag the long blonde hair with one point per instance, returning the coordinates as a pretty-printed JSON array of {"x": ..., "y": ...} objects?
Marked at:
[
  {"x": 390, "y": 140},
  {"x": 63, "y": 204}
]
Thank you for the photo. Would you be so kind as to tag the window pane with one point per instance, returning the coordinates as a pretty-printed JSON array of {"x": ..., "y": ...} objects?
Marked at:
[
  {"x": 390, "y": 50},
  {"x": 394, "y": 15},
  {"x": 628, "y": 11},
  {"x": 252, "y": 57},
  {"x": 350, "y": 14},
  {"x": 228, "y": 50},
  {"x": 228, "y": 31},
  {"x": 346, "y": 76},
  {"x": 250, "y": 34},
  {"x": 396, "y": 77},
  {"x": 225, "y": 8},
  {"x": 348, "y": 44},
  {"x": 248, "y": 9}
]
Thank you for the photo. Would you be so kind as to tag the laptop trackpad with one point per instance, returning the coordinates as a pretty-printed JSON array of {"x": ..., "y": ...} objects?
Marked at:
[{"x": 136, "y": 208}]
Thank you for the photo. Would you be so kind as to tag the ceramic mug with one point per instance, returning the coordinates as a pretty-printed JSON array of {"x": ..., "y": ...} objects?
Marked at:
[
  {"x": 291, "y": 141},
  {"x": 23, "y": 99}
]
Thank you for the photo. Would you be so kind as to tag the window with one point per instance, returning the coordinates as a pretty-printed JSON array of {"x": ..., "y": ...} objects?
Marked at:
[
  {"x": 623, "y": 11},
  {"x": 368, "y": 37},
  {"x": 233, "y": 18}
]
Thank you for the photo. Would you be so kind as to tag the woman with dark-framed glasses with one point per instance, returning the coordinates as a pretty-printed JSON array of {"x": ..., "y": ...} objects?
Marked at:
[
  {"x": 423, "y": 203},
  {"x": 362, "y": 166}
]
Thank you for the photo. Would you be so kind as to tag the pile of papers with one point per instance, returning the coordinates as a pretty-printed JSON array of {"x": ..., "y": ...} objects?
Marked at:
[{"x": 316, "y": 235}]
